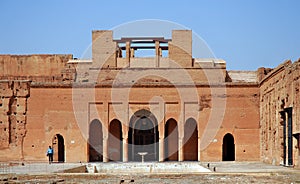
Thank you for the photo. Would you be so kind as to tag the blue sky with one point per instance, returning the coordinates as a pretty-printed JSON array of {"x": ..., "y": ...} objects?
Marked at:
[{"x": 247, "y": 34}]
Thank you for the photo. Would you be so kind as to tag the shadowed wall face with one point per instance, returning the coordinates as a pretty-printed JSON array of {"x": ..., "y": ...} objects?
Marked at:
[
  {"x": 115, "y": 141},
  {"x": 171, "y": 140},
  {"x": 95, "y": 141},
  {"x": 190, "y": 147}
]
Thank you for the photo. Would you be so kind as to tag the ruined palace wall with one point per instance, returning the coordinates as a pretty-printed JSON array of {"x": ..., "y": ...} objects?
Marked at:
[
  {"x": 39, "y": 68},
  {"x": 50, "y": 112},
  {"x": 279, "y": 90},
  {"x": 241, "y": 119},
  {"x": 13, "y": 118}
]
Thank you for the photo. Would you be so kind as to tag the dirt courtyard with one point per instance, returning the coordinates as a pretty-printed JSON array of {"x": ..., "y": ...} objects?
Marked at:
[
  {"x": 284, "y": 177},
  {"x": 221, "y": 172}
]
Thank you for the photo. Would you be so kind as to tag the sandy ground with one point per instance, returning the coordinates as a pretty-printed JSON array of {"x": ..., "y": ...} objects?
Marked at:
[{"x": 155, "y": 179}]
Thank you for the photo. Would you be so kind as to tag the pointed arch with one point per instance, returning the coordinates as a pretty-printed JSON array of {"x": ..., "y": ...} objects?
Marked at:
[
  {"x": 190, "y": 140},
  {"x": 95, "y": 141},
  {"x": 171, "y": 140},
  {"x": 115, "y": 145}
]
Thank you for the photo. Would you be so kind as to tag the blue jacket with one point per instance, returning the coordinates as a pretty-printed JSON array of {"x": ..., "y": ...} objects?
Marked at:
[{"x": 50, "y": 151}]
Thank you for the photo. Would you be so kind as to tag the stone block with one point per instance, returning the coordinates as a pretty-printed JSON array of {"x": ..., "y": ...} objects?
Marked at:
[
  {"x": 21, "y": 106},
  {"x": 4, "y": 132},
  {"x": 3, "y": 118},
  {"x": 5, "y": 89},
  {"x": 21, "y": 89},
  {"x": 4, "y": 105}
]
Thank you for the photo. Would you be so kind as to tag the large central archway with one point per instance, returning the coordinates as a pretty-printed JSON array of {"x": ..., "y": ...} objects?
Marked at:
[{"x": 143, "y": 136}]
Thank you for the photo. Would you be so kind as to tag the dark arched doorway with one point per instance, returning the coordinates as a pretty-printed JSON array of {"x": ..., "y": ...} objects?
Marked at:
[
  {"x": 190, "y": 141},
  {"x": 171, "y": 140},
  {"x": 143, "y": 136},
  {"x": 58, "y": 146},
  {"x": 228, "y": 148},
  {"x": 115, "y": 145},
  {"x": 95, "y": 141}
]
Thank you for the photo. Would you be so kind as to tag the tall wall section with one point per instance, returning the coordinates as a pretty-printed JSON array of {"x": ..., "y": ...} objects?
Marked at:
[
  {"x": 50, "y": 113},
  {"x": 13, "y": 118},
  {"x": 240, "y": 119},
  {"x": 280, "y": 114},
  {"x": 18, "y": 74}
]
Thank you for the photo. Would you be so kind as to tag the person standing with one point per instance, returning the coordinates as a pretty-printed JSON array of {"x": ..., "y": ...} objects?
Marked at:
[{"x": 50, "y": 154}]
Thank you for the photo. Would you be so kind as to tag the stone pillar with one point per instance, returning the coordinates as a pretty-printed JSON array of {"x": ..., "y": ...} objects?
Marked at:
[
  {"x": 199, "y": 150},
  {"x": 105, "y": 149},
  {"x": 298, "y": 150},
  {"x": 161, "y": 149},
  {"x": 180, "y": 151},
  {"x": 125, "y": 149},
  {"x": 282, "y": 134},
  {"x": 180, "y": 139},
  {"x": 125, "y": 130},
  {"x": 131, "y": 52},
  {"x": 157, "y": 53},
  {"x": 128, "y": 52}
]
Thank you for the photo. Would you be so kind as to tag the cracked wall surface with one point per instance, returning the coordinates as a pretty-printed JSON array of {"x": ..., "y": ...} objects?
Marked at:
[
  {"x": 279, "y": 91},
  {"x": 13, "y": 108},
  {"x": 43, "y": 68}
]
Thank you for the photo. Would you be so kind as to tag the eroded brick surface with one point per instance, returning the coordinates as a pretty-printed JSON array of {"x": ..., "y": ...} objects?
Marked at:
[
  {"x": 13, "y": 108},
  {"x": 279, "y": 91}
]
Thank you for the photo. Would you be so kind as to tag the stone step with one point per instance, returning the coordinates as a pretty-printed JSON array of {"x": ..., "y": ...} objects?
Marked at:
[{"x": 146, "y": 167}]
